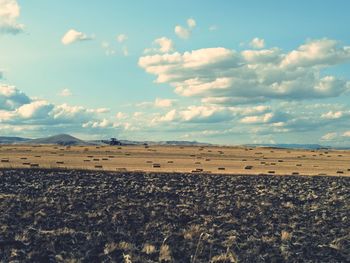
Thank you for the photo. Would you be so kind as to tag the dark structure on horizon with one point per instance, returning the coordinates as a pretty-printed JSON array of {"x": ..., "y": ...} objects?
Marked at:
[{"x": 112, "y": 141}]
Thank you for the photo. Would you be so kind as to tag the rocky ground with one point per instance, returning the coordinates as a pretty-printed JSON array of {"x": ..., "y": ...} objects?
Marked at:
[{"x": 82, "y": 216}]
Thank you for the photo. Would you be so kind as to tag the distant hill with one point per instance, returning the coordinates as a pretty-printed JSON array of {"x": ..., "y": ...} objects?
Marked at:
[
  {"x": 128, "y": 142},
  {"x": 61, "y": 139},
  {"x": 291, "y": 146},
  {"x": 10, "y": 140}
]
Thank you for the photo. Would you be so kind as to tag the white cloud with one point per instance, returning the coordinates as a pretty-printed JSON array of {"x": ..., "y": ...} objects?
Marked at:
[
  {"x": 227, "y": 76},
  {"x": 73, "y": 35},
  {"x": 332, "y": 115},
  {"x": 329, "y": 136},
  {"x": 65, "y": 93},
  {"x": 257, "y": 43},
  {"x": 125, "y": 51},
  {"x": 185, "y": 32},
  {"x": 191, "y": 23},
  {"x": 163, "y": 103},
  {"x": 9, "y": 12},
  {"x": 121, "y": 38},
  {"x": 258, "y": 119},
  {"x": 121, "y": 115},
  {"x": 104, "y": 123},
  {"x": 317, "y": 53},
  {"x": 346, "y": 134},
  {"x": 109, "y": 50},
  {"x": 160, "y": 45},
  {"x": 11, "y": 98},
  {"x": 165, "y": 44},
  {"x": 35, "y": 110},
  {"x": 182, "y": 32},
  {"x": 157, "y": 103}
]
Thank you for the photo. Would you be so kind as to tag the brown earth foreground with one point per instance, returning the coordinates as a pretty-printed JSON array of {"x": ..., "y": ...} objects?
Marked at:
[
  {"x": 187, "y": 159},
  {"x": 97, "y": 216}
]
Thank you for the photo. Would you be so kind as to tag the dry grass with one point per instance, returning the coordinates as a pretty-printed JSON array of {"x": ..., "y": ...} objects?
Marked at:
[
  {"x": 165, "y": 254},
  {"x": 286, "y": 236},
  {"x": 227, "y": 160}
]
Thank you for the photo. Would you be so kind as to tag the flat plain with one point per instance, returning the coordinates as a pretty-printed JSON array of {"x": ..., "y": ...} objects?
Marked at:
[{"x": 182, "y": 159}]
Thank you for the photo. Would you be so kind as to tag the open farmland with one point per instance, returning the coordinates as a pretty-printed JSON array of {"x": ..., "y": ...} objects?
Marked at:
[
  {"x": 183, "y": 159},
  {"x": 96, "y": 216}
]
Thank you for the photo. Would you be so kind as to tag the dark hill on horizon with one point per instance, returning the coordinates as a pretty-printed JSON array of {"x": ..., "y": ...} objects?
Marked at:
[
  {"x": 60, "y": 139},
  {"x": 66, "y": 139},
  {"x": 10, "y": 140}
]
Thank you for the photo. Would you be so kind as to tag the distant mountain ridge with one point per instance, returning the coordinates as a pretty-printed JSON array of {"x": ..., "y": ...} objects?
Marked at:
[
  {"x": 61, "y": 139},
  {"x": 66, "y": 139},
  {"x": 9, "y": 140},
  {"x": 291, "y": 146}
]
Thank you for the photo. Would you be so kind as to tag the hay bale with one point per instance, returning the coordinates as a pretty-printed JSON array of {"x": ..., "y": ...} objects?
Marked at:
[
  {"x": 248, "y": 167},
  {"x": 221, "y": 168},
  {"x": 156, "y": 165}
]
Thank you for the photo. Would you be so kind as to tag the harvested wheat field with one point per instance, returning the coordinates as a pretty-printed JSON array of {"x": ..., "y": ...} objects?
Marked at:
[
  {"x": 183, "y": 159},
  {"x": 97, "y": 216}
]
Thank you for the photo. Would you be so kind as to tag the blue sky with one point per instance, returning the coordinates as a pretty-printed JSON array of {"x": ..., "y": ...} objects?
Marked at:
[{"x": 228, "y": 72}]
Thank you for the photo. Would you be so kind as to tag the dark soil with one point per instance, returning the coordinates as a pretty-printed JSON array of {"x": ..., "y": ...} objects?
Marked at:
[{"x": 82, "y": 216}]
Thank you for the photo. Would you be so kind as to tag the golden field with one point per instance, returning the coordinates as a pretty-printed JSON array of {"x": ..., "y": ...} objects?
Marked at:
[{"x": 182, "y": 159}]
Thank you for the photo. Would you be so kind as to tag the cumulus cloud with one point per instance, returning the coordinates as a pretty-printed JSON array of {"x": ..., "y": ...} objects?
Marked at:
[
  {"x": 316, "y": 53},
  {"x": 257, "y": 43},
  {"x": 121, "y": 115},
  {"x": 11, "y": 98},
  {"x": 163, "y": 103},
  {"x": 215, "y": 114},
  {"x": 157, "y": 103},
  {"x": 332, "y": 115},
  {"x": 161, "y": 45},
  {"x": 65, "y": 93},
  {"x": 72, "y": 36},
  {"x": 109, "y": 50},
  {"x": 121, "y": 38},
  {"x": 185, "y": 32},
  {"x": 35, "y": 110},
  {"x": 20, "y": 113},
  {"x": 228, "y": 76},
  {"x": 191, "y": 23},
  {"x": 9, "y": 13},
  {"x": 336, "y": 138},
  {"x": 165, "y": 44}
]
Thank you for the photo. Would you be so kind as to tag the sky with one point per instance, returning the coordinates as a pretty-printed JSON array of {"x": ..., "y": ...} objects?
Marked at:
[{"x": 227, "y": 72}]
